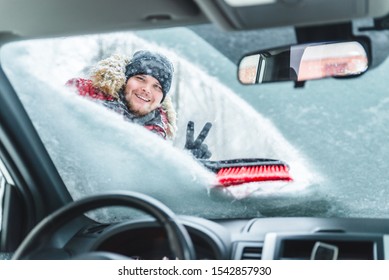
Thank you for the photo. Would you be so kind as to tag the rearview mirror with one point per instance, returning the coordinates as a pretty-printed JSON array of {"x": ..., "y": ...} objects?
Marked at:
[{"x": 303, "y": 62}]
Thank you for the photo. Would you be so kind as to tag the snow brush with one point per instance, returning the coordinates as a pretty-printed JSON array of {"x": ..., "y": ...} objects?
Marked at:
[{"x": 240, "y": 171}]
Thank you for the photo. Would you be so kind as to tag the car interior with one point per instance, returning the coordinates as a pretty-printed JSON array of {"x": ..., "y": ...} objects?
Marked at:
[{"x": 40, "y": 219}]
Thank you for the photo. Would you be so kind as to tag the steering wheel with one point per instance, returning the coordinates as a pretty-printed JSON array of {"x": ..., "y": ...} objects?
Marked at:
[{"x": 179, "y": 240}]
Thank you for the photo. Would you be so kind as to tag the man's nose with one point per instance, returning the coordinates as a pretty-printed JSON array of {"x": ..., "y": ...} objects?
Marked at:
[{"x": 147, "y": 88}]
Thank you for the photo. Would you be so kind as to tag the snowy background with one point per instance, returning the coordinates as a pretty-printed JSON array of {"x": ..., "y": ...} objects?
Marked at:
[{"x": 337, "y": 149}]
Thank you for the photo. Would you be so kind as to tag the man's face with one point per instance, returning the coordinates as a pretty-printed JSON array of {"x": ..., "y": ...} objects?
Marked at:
[{"x": 143, "y": 94}]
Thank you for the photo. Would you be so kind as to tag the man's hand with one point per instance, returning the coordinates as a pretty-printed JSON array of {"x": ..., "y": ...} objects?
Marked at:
[{"x": 197, "y": 147}]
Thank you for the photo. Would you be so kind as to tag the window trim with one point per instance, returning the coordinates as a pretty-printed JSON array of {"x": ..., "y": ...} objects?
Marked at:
[
  {"x": 5, "y": 179},
  {"x": 6, "y": 174}
]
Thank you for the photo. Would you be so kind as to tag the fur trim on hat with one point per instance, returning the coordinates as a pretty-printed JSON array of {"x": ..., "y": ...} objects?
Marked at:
[{"x": 109, "y": 77}]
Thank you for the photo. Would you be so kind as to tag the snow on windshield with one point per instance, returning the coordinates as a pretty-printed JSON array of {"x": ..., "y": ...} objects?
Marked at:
[{"x": 95, "y": 150}]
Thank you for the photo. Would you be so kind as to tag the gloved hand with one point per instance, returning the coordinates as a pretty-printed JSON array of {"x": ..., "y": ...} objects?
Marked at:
[{"x": 197, "y": 147}]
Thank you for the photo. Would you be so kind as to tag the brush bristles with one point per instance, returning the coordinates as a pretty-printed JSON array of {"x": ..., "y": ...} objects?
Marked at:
[{"x": 240, "y": 175}]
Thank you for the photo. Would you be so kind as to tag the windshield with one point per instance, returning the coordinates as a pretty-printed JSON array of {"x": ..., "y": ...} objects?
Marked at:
[{"x": 332, "y": 133}]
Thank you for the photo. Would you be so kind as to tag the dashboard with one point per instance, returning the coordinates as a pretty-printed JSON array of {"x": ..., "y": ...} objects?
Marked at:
[{"x": 247, "y": 239}]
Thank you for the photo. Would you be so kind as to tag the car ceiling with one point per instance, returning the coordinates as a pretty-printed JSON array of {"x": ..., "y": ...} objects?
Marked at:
[
  {"x": 25, "y": 19},
  {"x": 47, "y": 18},
  {"x": 44, "y": 18}
]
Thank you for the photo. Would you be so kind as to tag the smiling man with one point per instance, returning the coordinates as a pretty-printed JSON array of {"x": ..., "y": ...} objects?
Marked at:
[
  {"x": 135, "y": 88},
  {"x": 143, "y": 94}
]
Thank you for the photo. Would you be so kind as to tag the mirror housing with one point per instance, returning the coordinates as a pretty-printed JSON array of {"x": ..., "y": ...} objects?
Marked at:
[{"x": 304, "y": 62}]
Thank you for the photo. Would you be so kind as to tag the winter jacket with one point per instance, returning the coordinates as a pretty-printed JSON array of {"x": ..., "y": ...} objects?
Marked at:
[{"x": 106, "y": 87}]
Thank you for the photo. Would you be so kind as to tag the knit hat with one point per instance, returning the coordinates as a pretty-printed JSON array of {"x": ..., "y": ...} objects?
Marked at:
[{"x": 153, "y": 64}]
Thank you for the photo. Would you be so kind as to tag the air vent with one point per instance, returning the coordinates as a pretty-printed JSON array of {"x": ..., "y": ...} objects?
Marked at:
[
  {"x": 251, "y": 253},
  {"x": 248, "y": 250}
]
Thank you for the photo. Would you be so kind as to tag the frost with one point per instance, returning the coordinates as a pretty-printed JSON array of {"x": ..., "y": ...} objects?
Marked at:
[{"x": 96, "y": 151}]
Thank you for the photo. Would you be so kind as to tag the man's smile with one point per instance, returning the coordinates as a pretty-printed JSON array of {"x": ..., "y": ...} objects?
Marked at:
[{"x": 142, "y": 98}]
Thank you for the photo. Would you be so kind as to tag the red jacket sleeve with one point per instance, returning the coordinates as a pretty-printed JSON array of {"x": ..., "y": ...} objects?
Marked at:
[{"x": 85, "y": 87}]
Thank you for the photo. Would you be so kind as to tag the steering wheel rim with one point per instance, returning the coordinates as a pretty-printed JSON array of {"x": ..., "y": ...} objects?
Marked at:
[{"x": 179, "y": 240}]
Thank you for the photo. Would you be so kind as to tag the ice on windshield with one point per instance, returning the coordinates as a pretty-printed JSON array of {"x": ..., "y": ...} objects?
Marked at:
[{"x": 95, "y": 150}]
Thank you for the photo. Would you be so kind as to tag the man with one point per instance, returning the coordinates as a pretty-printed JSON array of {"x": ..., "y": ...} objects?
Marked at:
[{"x": 137, "y": 89}]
